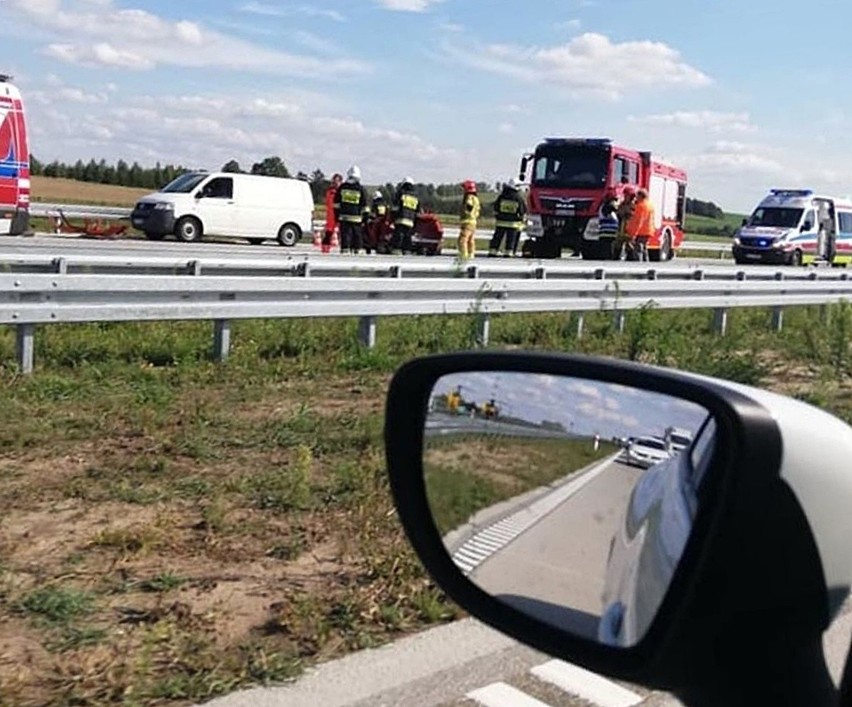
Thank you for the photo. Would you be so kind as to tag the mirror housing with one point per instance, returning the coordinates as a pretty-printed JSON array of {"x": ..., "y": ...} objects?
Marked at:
[{"x": 733, "y": 592}]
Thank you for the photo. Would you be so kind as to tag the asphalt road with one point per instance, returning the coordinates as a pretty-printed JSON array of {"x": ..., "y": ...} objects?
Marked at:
[
  {"x": 56, "y": 246},
  {"x": 564, "y": 552}
]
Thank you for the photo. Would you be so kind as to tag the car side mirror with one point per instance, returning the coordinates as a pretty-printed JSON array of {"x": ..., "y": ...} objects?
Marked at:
[
  {"x": 561, "y": 517},
  {"x": 199, "y": 195},
  {"x": 745, "y": 222},
  {"x": 806, "y": 226}
]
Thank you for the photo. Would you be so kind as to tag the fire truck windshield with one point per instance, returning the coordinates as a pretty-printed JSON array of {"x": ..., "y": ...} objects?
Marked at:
[
  {"x": 571, "y": 167},
  {"x": 776, "y": 217}
]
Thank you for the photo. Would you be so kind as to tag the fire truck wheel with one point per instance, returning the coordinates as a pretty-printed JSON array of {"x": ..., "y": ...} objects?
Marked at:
[{"x": 189, "y": 229}]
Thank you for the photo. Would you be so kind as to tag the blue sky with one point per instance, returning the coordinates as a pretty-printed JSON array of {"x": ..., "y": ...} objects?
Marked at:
[
  {"x": 741, "y": 95},
  {"x": 583, "y": 406}
]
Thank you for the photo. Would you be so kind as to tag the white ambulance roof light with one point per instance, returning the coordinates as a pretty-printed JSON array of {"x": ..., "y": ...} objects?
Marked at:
[{"x": 792, "y": 192}]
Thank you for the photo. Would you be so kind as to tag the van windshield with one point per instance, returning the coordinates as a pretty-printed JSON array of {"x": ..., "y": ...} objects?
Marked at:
[
  {"x": 185, "y": 183},
  {"x": 777, "y": 217}
]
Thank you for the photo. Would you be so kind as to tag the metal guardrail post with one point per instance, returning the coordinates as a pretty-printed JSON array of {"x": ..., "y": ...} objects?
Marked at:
[
  {"x": 541, "y": 273},
  {"x": 396, "y": 271},
  {"x": 720, "y": 321},
  {"x": 60, "y": 266},
  {"x": 193, "y": 267},
  {"x": 367, "y": 331},
  {"x": 473, "y": 272},
  {"x": 483, "y": 329},
  {"x": 25, "y": 346},
  {"x": 620, "y": 322},
  {"x": 581, "y": 323},
  {"x": 303, "y": 269},
  {"x": 221, "y": 339},
  {"x": 778, "y": 312}
]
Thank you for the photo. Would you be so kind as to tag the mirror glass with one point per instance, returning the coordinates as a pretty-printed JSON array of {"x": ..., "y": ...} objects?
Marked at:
[{"x": 569, "y": 499}]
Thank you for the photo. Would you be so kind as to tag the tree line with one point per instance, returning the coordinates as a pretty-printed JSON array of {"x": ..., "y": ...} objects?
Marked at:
[
  {"x": 442, "y": 198},
  {"x": 445, "y": 198}
]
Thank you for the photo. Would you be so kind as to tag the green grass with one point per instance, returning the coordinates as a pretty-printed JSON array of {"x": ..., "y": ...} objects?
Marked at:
[
  {"x": 467, "y": 474},
  {"x": 165, "y": 477},
  {"x": 721, "y": 227}
]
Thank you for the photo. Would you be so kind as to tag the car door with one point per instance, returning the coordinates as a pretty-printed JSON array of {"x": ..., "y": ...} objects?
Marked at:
[{"x": 215, "y": 206}]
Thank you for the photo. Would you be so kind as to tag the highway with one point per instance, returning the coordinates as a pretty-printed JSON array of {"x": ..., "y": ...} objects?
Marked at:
[
  {"x": 65, "y": 245},
  {"x": 563, "y": 546}
]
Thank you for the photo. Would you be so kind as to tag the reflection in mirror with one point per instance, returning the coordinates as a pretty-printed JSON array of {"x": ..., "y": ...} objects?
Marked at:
[{"x": 569, "y": 499}]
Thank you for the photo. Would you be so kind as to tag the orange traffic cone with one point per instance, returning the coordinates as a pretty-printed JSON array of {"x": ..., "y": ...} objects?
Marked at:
[
  {"x": 335, "y": 243},
  {"x": 317, "y": 238}
]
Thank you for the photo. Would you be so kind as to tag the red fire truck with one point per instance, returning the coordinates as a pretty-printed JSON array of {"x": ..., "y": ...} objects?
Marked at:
[
  {"x": 571, "y": 176},
  {"x": 14, "y": 161}
]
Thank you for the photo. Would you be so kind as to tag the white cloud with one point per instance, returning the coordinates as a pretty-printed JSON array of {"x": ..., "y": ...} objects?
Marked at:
[
  {"x": 407, "y": 5},
  {"x": 713, "y": 121},
  {"x": 726, "y": 155},
  {"x": 506, "y": 128},
  {"x": 268, "y": 10},
  {"x": 590, "y": 64},
  {"x": 148, "y": 41},
  {"x": 206, "y": 131}
]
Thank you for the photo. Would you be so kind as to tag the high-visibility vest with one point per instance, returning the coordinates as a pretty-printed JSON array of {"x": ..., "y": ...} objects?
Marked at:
[
  {"x": 407, "y": 205},
  {"x": 352, "y": 202},
  {"x": 509, "y": 212}
]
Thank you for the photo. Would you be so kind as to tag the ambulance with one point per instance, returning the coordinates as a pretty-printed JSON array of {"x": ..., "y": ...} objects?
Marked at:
[
  {"x": 796, "y": 227},
  {"x": 14, "y": 161}
]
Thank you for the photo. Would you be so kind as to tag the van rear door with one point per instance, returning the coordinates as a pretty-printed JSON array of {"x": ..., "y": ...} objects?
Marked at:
[{"x": 14, "y": 161}]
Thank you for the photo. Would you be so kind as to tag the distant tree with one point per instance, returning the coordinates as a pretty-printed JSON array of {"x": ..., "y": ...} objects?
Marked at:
[
  {"x": 270, "y": 167},
  {"x": 36, "y": 167},
  {"x": 232, "y": 166},
  {"x": 303, "y": 176}
]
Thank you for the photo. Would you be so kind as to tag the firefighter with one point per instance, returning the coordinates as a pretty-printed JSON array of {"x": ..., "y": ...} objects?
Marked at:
[
  {"x": 608, "y": 217},
  {"x": 490, "y": 410},
  {"x": 378, "y": 207},
  {"x": 330, "y": 215},
  {"x": 406, "y": 207},
  {"x": 454, "y": 400},
  {"x": 351, "y": 208},
  {"x": 623, "y": 245},
  {"x": 468, "y": 216},
  {"x": 640, "y": 227},
  {"x": 509, "y": 212}
]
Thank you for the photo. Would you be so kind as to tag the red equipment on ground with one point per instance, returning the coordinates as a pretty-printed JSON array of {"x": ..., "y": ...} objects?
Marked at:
[
  {"x": 91, "y": 228},
  {"x": 428, "y": 234},
  {"x": 377, "y": 235}
]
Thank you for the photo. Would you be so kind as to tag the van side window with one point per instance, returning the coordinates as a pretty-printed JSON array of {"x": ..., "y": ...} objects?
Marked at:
[
  {"x": 845, "y": 218},
  {"x": 219, "y": 188}
]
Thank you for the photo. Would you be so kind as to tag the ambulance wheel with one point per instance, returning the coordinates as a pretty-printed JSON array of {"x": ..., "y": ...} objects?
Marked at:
[
  {"x": 154, "y": 236},
  {"x": 289, "y": 234},
  {"x": 189, "y": 229},
  {"x": 796, "y": 258}
]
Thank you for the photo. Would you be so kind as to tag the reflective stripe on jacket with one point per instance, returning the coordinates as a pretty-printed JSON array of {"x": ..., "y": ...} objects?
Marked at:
[
  {"x": 406, "y": 208},
  {"x": 351, "y": 202},
  {"x": 509, "y": 212}
]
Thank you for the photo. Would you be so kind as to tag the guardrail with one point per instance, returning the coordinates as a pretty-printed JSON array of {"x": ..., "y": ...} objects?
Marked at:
[
  {"x": 307, "y": 265},
  {"x": 30, "y": 300},
  {"x": 47, "y": 210}
]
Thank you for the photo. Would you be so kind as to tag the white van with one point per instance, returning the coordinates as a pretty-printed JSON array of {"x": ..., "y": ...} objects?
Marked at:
[
  {"x": 796, "y": 227},
  {"x": 199, "y": 204}
]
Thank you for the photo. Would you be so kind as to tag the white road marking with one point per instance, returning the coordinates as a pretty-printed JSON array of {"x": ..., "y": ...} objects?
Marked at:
[
  {"x": 502, "y": 695},
  {"x": 587, "y": 685}
]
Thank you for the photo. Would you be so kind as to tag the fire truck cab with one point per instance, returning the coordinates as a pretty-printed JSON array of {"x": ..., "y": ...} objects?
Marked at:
[
  {"x": 568, "y": 182},
  {"x": 14, "y": 161}
]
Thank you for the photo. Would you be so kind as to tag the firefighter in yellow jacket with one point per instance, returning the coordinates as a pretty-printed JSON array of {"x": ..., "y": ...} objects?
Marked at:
[{"x": 468, "y": 217}]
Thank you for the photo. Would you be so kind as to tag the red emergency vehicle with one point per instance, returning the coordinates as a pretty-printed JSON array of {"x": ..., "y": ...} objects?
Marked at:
[
  {"x": 568, "y": 182},
  {"x": 14, "y": 161}
]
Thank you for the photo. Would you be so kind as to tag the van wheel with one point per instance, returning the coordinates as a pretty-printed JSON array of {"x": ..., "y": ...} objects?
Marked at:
[
  {"x": 189, "y": 229},
  {"x": 289, "y": 234},
  {"x": 154, "y": 236}
]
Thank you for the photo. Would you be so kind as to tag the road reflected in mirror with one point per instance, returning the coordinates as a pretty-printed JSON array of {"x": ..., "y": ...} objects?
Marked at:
[{"x": 569, "y": 499}]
